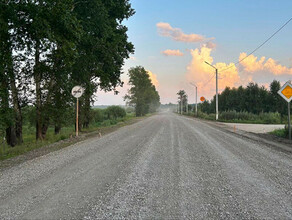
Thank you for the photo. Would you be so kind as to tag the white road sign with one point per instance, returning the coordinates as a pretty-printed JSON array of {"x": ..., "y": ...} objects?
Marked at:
[{"x": 77, "y": 91}]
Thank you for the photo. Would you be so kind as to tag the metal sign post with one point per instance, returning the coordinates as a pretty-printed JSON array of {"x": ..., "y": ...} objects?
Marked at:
[
  {"x": 77, "y": 92},
  {"x": 289, "y": 121},
  {"x": 286, "y": 93}
]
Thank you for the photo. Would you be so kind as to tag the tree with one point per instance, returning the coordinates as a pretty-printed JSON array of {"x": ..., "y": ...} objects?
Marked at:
[
  {"x": 142, "y": 94},
  {"x": 182, "y": 100},
  {"x": 277, "y": 103},
  {"x": 46, "y": 41},
  {"x": 13, "y": 122},
  {"x": 103, "y": 47}
]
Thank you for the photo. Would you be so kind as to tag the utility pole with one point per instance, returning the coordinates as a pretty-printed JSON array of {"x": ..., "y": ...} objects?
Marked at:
[
  {"x": 196, "y": 98},
  {"x": 216, "y": 94},
  {"x": 217, "y": 114},
  {"x": 181, "y": 105},
  {"x": 197, "y": 101}
]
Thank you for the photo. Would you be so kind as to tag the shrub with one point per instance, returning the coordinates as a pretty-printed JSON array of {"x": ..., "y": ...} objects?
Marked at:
[
  {"x": 97, "y": 115},
  {"x": 114, "y": 112},
  {"x": 266, "y": 118}
]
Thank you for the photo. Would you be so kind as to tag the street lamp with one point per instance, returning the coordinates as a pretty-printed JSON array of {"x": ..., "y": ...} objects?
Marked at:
[
  {"x": 196, "y": 98},
  {"x": 216, "y": 88}
]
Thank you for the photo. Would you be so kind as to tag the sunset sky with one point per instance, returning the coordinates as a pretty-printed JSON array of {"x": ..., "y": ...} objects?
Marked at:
[{"x": 173, "y": 38}]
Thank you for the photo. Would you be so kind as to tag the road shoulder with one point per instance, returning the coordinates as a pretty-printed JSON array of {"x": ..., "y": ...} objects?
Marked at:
[
  {"x": 11, "y": 162},
  {"x": 266, "y": 138}
]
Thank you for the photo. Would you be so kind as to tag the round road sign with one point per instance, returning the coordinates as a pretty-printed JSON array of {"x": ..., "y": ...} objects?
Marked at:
[
  {"x": 202, "y": 99},
  {"x": 77, "y": 91}
]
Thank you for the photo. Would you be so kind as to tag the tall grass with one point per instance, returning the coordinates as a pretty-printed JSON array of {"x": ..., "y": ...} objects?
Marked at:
[{"x": 244, "y": 117}]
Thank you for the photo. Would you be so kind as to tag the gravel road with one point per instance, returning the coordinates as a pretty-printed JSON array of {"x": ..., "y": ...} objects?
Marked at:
[{"x": 164, "y": 167}]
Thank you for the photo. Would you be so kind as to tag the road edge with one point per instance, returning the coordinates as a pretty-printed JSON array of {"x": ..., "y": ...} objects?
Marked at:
[
  {"x": 44, "y": 150},
  {"x": 268, "y": 139}
]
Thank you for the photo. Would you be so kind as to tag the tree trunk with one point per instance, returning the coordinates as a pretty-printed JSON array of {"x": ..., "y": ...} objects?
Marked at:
[
  {"x": 10, "y": 136},
  {"x": 17, "y": 110},
  {"x": 37, "y": 78},
  {"x": 86, "y": 109},
  {"x": 57, "y": 129}
]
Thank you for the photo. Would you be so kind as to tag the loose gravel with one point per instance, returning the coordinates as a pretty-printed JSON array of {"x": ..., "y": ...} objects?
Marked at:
[{"x": 164, "y": 167}]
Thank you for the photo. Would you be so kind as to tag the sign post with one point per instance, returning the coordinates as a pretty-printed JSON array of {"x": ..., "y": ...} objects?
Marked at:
[
  {"x": 77, "y": 92},
  {"x": 286, "y": 93}
]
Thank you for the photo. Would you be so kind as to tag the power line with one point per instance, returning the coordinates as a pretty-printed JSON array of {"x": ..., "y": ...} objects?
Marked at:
[
  {"x": 258, "y": 46},
  {"x": 207, "y": 82}
]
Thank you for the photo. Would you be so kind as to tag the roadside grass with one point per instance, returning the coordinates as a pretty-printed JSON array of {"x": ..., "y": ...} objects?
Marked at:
[
  {"x": 30, "y": 143},
  {"x": 243, "y": 117},
  {"x": 283, "y": 133}
]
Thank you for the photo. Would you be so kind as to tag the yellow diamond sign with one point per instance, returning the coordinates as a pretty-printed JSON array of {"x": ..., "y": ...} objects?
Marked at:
[{"x": 286, "y": 91}]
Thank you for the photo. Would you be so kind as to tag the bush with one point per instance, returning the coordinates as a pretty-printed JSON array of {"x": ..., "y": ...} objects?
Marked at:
[
  {"x": 130, "y": 110},
  {"x": 114, "y": 112},
  {"x": 206, "y": 116},
  {"x": 97, "y": 115},
  {"x": 266, "y": 118}
]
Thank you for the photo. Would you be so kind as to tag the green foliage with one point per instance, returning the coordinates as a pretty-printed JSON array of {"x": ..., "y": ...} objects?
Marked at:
[
  {"x": 206, "y": 116},
  {"x": 284, "y": 133},
  {"x": 114, "y": 112},
  {"x": 263, "y": 117},
  {"x": 56, "y": 45},
  {"x": 97, "y": 115},
  {"x": 250, "y": 103},
  {"x": 142, "y": 94}
]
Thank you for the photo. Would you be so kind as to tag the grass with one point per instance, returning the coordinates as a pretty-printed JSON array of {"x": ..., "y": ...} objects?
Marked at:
[
  {"x": 283, "y": 133},
  {"x": 30, "y": 143},
  {"x": 244, "y": 117}
]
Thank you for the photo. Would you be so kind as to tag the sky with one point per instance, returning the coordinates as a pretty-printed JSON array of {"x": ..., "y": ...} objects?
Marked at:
[{"x": 173, "y": 38}]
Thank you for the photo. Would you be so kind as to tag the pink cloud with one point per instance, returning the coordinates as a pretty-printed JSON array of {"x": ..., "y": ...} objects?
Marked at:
[
  {"x": 252, "y": 64},
  {"x": 172, "y": 53},
  {"x": 153, "y": 78},
  {"x": 176, "y": 34},
  {"x": 202, "y": 74}
]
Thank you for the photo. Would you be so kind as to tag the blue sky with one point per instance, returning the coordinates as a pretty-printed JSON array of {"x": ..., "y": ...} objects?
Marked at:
[{"x": 236, "y": 26}]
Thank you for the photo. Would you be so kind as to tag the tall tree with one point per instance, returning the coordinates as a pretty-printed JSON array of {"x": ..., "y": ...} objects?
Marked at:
[
  {"x": 183, "y": 100},
  {"x": 103, "y": 47},
  {"x": 142, "y": 94},
  {"x": 49, "y": 29},
  {"x": 8, "y": 74}
]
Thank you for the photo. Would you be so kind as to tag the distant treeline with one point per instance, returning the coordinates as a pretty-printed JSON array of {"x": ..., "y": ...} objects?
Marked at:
[{"x": 252, "y": 99}]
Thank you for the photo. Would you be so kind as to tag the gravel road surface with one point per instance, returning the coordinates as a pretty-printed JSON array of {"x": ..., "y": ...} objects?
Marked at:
[{"x": 164, "y": 167}]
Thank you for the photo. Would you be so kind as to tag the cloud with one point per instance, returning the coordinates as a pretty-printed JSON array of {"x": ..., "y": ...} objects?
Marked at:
[
  {"x": 210, "y": 44},
  {"x": 153, "y": 78},
  {"x": 172, "y": 53},
  {"x": 252, "y": 64},
  {"x": 201, "y": 73},
  {"x": 262, "y": 70},
  {"x": 176, "y": 34}
]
